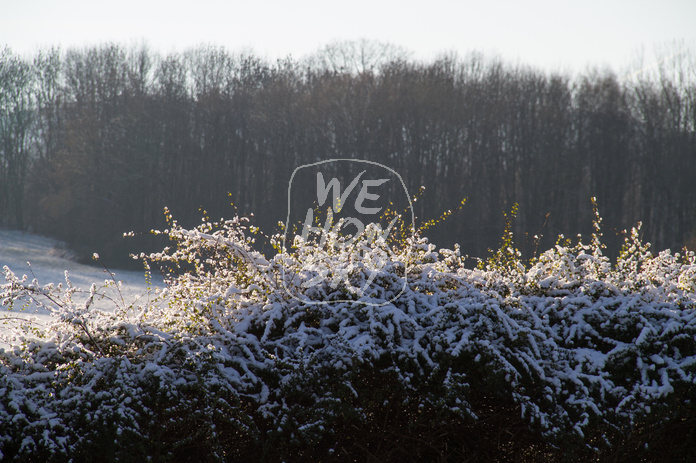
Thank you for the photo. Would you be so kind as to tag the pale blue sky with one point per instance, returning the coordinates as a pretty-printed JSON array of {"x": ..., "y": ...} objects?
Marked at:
[{"x": 544, "y": 33}]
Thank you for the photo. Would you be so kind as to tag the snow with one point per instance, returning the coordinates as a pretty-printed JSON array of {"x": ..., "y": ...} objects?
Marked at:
[
  {"x": 577, "y": 342},
  {"x": 47, "y": 260}
]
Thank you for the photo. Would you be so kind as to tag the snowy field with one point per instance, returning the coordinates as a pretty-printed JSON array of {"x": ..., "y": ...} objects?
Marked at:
[{"x": 47, "y": 260}]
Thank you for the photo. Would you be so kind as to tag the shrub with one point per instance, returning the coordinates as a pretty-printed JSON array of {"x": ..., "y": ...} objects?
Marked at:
[{"x": 418, "y": 358}]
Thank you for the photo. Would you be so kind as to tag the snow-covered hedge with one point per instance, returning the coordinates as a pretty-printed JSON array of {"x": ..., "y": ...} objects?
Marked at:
[{"x": 240, "y": 357}]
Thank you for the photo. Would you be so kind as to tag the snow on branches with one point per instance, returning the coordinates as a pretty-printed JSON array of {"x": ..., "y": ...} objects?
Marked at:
[{"x": 286, "y": 347}]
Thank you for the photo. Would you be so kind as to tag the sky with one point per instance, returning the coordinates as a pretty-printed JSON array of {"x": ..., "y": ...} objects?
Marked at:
[{"x": 551, "y": 35}]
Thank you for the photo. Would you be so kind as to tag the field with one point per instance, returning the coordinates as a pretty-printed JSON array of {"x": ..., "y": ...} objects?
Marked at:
[{"x": 49, "y": 260}]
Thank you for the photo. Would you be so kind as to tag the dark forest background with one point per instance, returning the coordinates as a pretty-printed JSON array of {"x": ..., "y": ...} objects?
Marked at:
[{"x": 95, "y": 142}]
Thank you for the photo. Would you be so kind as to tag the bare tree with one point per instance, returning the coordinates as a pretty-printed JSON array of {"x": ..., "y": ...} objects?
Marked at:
[
  {"x": 16, "y": 118},
  {"x": 357, "y": 56}
]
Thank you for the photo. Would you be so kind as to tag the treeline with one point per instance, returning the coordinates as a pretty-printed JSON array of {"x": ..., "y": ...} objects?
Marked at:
[{"x": 95, "y": 142}]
